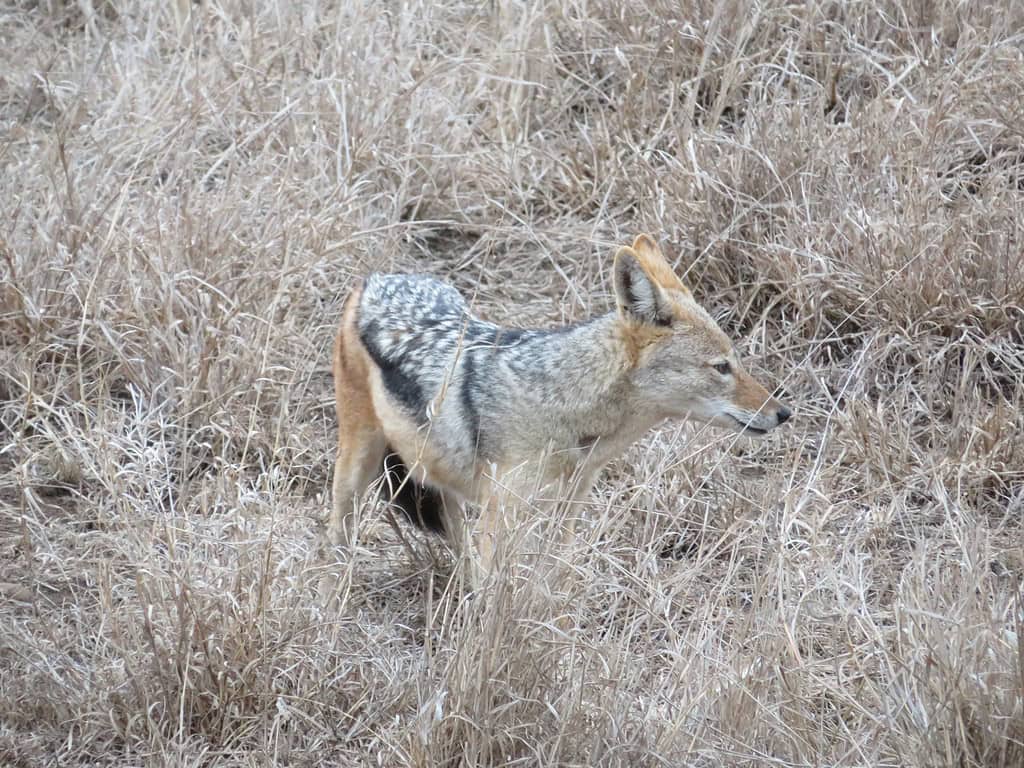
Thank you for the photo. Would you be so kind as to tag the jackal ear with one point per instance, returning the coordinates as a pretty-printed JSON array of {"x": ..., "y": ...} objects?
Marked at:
[
  {"x": 650, "y": 253},
  {"x": 636, "y": 293},
  {"x": 647, "y": 248}
]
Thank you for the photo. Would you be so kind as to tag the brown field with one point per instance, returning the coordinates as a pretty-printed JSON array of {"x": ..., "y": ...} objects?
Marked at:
[{"x": 187, "y": 197}]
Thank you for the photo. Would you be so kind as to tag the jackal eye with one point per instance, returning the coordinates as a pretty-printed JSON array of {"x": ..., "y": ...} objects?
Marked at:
[{"x": 723, "y": 367}]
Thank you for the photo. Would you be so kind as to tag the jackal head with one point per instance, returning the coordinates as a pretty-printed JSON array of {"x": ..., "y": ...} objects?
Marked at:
[{"x": 684, "y": 365}]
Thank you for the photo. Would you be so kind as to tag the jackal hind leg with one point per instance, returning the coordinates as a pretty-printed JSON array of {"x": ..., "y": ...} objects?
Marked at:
[{"x": 359, "y": 461}]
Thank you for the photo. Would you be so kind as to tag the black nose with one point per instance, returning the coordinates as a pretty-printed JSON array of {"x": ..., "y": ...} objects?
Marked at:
[{"x": 783, "y": 414}]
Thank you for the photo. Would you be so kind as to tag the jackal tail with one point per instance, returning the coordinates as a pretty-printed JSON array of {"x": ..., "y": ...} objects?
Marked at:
[{"x": 422, "y": 505}]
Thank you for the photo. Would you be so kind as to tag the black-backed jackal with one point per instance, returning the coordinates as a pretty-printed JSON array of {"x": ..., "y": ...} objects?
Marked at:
[{"x": 455, "y": 409}]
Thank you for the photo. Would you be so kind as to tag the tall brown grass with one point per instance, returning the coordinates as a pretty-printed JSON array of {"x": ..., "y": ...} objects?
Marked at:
[{"x": 187, "y": 192}]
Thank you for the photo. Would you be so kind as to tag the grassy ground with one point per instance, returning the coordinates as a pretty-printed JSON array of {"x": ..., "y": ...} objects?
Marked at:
[{"x": 186, "y": 199}]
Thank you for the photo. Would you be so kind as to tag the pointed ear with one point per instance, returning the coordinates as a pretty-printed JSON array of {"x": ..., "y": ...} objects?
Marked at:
[
  {"x": 648, "y": 249},
  {"x": 657, "y": 265},
  {"x": 637, "y": 294}
]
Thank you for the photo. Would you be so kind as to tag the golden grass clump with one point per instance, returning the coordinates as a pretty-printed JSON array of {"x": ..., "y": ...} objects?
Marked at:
[{"x": 188, "y": 191}]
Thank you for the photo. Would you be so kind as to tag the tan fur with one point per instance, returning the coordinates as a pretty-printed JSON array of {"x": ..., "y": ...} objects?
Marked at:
[
  {"x": 636, "y": 338},
  {"x": 749, "y": 394},
  {"x": 656, "y": 265},
  {"x": 360, "y": 436}
]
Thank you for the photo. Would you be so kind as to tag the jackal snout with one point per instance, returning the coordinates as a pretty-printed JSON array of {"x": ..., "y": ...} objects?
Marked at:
[
  {"x": 751, "y": 409},
  {"x": 777, "y": 414}
]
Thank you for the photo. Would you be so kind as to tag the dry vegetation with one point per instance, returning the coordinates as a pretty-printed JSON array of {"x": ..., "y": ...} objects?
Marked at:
[{"x": 186, "y": 200}]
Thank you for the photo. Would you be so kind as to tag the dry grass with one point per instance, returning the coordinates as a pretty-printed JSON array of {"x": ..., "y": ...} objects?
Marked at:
[{"x": 182, "y": 215}]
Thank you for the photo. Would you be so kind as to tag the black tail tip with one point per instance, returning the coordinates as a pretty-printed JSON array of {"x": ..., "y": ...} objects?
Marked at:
[{"x": 422, "y": 504}]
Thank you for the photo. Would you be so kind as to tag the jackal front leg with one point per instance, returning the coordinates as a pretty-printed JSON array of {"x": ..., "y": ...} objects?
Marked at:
[
  {"x": 486, "y": 538},
  {"x": 578, "y": 492}
]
